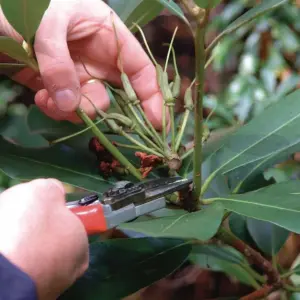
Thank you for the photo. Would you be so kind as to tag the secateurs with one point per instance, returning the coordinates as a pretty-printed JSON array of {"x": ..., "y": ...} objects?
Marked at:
[{"x": 124, "y": 202}]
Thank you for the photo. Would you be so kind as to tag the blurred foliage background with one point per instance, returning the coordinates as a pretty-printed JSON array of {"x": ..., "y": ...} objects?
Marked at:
[{"x": 251, "y": 69}]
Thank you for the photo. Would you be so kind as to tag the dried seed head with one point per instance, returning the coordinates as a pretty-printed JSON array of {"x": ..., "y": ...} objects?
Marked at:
[{"x": 174, "y": 162}]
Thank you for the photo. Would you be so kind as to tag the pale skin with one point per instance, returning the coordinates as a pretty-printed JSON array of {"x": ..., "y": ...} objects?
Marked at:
[{"x": 33, "y": 215}]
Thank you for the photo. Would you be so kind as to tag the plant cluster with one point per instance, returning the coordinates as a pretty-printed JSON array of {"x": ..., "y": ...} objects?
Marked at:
[{"x": 231, "y": 200}]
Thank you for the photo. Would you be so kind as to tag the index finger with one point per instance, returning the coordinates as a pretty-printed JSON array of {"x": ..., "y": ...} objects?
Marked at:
[{"x": 103, "y": 47}]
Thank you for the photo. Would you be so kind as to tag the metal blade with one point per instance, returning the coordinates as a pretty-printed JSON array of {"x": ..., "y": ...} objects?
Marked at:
[{"x": 163, "y": 186}]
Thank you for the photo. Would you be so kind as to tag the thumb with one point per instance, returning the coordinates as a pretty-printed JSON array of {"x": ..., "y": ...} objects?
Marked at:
[{"x": 57, "y": 69}]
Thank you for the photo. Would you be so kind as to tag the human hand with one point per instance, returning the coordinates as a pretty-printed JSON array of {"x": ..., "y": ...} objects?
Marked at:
[
  {"x": 77, "y": 28},
  {"x": 41, "y": 236}
]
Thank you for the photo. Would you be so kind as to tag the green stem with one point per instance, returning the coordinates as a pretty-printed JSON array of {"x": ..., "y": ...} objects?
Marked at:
[
  {"x": 145, "y": 148},
  {"x": 138, "y": 122},
  {"x": 290, "y": 288},
  {"x": 254, "y": 274},
  {"x": 148, "y": 141},
  {"x": 172, "y": 123},
  {"x": 155, "y": 135},
  {"x": 134, "y": 147},
  {"x": 164, "y": 124},
  {"x": 182, "y": 129},
  {"x": 74, "y": 134},
  {"x": 108, "y": 145},
  {"x": 288, "y": 274},
  {"x": 187, "y": 153},
  {"x": 198, "y": 110}
]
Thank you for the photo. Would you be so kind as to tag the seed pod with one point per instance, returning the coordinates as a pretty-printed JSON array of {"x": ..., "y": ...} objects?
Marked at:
[
  {"x": 206, "y": 133},
  {"x": 122, "y": 104},
  {"x": 113, "y": 126},
  {"x": 165, "y": 87},
  {"x": 162, "y": 78},
  {"x": 123, "y": 96},
  {"x": 128, "y": 88},
  {"x": 122, "y": 119},
  {"x": 159, "y": 73},
  {"x": 176, "y": 86},
  {"x": 188, "y": 99},
  {"x": 109, "y": 122}
]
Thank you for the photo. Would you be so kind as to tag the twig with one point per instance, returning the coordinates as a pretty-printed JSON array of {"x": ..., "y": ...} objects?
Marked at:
[
  {"x": 198, "y": 111},
  {"x": 262, "y": 292},
  {"x": 252, "y": 256}
]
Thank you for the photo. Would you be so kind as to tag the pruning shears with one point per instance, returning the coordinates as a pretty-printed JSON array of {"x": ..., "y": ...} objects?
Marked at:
[{"x": 125, "y": 202}]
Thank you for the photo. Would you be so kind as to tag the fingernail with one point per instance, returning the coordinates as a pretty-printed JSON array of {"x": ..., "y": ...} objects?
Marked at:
[{"x": 66, "y": 100}]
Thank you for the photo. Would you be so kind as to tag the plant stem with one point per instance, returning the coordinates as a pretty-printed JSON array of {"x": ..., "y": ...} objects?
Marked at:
[
  {"x": 252, "y": 255},
  {"x": 148, "y": 141},
  {"x": 254, "y": 274},
  {"x": 164, "y": 124},
  {"x": 198, "y": 110},
  {"x": 155, "y": 135},
  {"x": 108, "y": 145},
  {"x": 181, "y": 131},
  {"x": 290, "y": 288},
  {"x": 145, "y": 148},
  {"x": 134, "y": 147},
  {"x": 261, "y": 293},
  {"x": 288, "y": 274},
  {"x": 172, "y": 123},
  {"x": 74, "y": 134}
]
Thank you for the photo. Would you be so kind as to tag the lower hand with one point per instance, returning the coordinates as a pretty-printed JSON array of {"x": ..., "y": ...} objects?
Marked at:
[{"x": 41, "y": 236}]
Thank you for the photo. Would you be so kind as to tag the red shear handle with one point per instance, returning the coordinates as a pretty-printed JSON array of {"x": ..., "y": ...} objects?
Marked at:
[{"x": 92, "y": 217}]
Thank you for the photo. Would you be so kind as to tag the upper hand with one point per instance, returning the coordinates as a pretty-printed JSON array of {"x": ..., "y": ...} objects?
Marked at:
[{"x": 84, "y": 28}]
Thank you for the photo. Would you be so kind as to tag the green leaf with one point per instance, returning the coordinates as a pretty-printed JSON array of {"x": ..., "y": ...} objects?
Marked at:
[
  {"x": 14, "y": 128},
  {"x": 267, "y": 139},
  {"x": 174, "y": 8},
  {"x": 238, "y": 226},
  {"x": 257, "y": 11},
  {"x": 214, "y": 263},
  {"x": 39, "y": 123},
  {"x": 119, "y": 268},
  {"x": 61, "y": 162},
  {"x": 207, "y": 3},
  {"x": 278, "y": 203},
  {"x": 201, "y": 225},
  {"x": 136, "y": 11},
  {"x": 277, "y": 174},
  {"x": 13, "y": 49},
  {"x": 222, "y": 252},
  {"x": 25, "y": 15},
  {"x": 268, "y": 237}
]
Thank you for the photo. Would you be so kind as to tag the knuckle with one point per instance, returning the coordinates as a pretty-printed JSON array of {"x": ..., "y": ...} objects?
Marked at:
[{"x": 50, "y": 188}]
